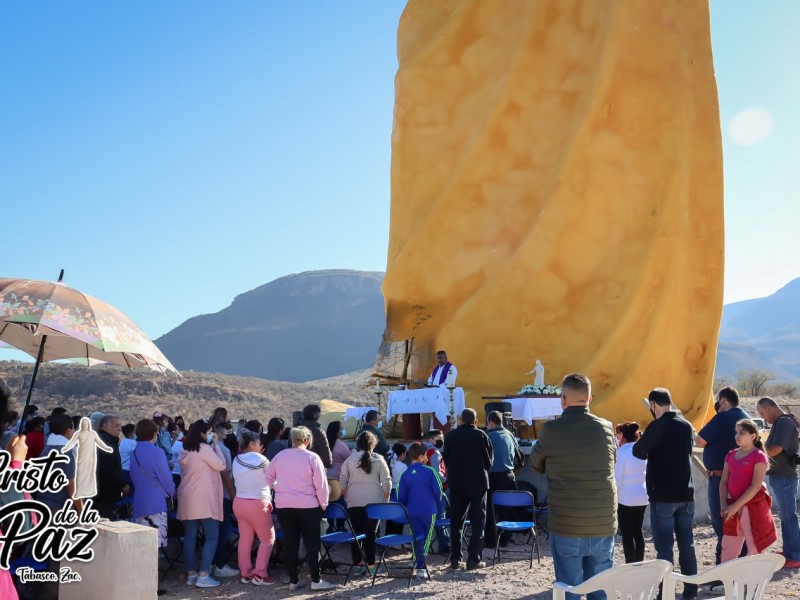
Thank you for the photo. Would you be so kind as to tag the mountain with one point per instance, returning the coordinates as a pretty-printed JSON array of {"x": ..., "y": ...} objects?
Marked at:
[
  {"x": 321, "y": 324},
  {"x": 762, "y": 333},
  {"x": 301, "y": 327},
  {"x": 134, "y": 395}
]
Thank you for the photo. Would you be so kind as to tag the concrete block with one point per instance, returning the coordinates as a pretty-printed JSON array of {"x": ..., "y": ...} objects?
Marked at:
[{"x": 125, "y": 565}]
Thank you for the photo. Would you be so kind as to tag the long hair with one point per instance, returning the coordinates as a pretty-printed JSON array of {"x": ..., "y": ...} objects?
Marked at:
[
  {"x": 274, "y": 428},
  {"x": 332, "y": 433},
  {"x": 366, "y": 441},
  {"x": 181, "y": 424},
  {"x": 219, "y": 415},
  {"x": 197, "y": 434},
  {"x": 750, "y": 427}
]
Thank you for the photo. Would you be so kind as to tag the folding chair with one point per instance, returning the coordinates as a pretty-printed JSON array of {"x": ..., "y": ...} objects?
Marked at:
[
  {"x": 26, "y": 590},
  {"x": 394, "y": 511},
  {"x": 635, "y": 580},
  {"x": 540, "y": 510},
  {"x": 744, "y": 578},
  {"x": 123, "y": 509},
  {"x": 329, "y": 540},
  {"x": 173, "y": 536},
  {"x": 233, "y": 530},
  {"x": 514, "y": 499},
  {"x": 445, "y": 524}
]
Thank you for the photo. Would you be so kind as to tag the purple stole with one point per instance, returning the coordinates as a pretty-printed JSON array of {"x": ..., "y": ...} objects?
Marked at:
[{"x": 442, "y": 374}]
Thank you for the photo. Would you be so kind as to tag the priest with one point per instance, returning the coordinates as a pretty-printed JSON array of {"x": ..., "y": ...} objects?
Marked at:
[{"x": 444, "y": 374}]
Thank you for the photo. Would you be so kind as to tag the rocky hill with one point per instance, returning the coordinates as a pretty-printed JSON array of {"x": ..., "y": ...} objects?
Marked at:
[
  {"x": 762, "y": 333},
  {"x": 138, "y": 394},
  {"x": 297, "y": 328}
]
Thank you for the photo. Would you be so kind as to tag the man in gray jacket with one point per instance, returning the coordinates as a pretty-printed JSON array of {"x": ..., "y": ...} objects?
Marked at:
[{"x": 577, "y": 453}]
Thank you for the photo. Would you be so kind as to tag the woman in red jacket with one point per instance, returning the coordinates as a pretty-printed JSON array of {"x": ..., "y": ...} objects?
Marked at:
[
  {"x": 744, "y": 500},
  {"x": 34, "y": 437}
]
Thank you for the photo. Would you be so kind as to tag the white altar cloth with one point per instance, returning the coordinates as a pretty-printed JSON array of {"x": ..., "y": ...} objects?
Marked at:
[
  {"x": 434, "y": 400},
  {"x": 532, "y": 409}
]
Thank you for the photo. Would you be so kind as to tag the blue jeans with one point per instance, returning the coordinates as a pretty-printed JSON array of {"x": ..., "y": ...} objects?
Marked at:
[
  {"x": 785, "y": 492},
  {"x": 667, "y": 518},
  {"x": 715, "y": 509},
  {"x": 577, "y": 559},
  {"x": 211, "y": 535},
  {"x": 221, "y": 554}
]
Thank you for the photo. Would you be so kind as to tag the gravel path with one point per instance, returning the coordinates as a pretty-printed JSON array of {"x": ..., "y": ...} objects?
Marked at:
[{"x": 510, "y": 579}]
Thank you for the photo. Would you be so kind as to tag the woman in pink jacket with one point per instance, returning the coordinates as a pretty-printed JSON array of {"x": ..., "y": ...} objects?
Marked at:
[
  {"x": 301, "y": 497},
  {"x": 200, "y": 500}
]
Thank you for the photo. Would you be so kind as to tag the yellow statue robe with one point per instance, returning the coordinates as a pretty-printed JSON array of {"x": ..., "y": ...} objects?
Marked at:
[{"x": 557, "y": 194}]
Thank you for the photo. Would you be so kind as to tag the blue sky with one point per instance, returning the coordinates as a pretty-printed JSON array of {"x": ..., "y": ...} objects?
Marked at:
[{"x": 170, "y": 155}]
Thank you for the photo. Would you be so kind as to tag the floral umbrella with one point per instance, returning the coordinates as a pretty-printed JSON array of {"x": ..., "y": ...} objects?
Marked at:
[{"x": 51, "y": 321}]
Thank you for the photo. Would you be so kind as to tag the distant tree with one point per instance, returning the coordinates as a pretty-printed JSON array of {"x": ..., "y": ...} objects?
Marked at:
[
  {"x": 721, "y": 382},
  {"x": 754, "y": 381},
  {"x": 784, "y": 388}
]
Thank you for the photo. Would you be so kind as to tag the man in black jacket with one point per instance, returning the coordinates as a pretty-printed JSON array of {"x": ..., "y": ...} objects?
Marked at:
[
  {"x": 319, "y": 442},
  {"x": 468, "y": 455},
  {"x": 666, "y": 445},
  {"x": 110, "y": 483}
]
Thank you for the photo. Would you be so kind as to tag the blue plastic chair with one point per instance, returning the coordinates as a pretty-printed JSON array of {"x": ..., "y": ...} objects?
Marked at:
[
  {"x": 514, "y": 499},
  {"x": 329, "y": 540},
  {"x": 14, "y": 565},
  {"x": 394, "y": 511},
  {"x": 26, "y": 562},
  {"x": 445, "y": 523}
]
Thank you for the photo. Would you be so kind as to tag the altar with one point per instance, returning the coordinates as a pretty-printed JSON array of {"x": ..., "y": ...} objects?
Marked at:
[
  {"x": 434, "y": 400},
  {"x": 534, "y": 408}
]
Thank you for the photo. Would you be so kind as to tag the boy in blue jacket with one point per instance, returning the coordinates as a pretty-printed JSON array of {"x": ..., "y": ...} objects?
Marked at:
[{"x": 420, "y": 490}]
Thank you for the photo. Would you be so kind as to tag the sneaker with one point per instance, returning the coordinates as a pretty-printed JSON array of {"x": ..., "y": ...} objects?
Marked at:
[
  {"x": 471, "y": 566},
  {"x": 258, "y": 580},
  {"x": 296, "y": 586},
  {"x": 791, "y": 564},
  {"x": 360, "y": 570},
  {"x": 191, "y": 579},
  {"x": 317, "y": 586},
  {"x": 246, "y": 580},
  {"x": 421, "y": 574},
  {"x": 456, "y": 564},
  {"x": 225, "y": 571},
  {"x": 206, "y": 582}
]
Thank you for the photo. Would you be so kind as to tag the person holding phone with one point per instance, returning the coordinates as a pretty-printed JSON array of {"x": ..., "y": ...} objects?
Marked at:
[{"x": 200, "y": 500}]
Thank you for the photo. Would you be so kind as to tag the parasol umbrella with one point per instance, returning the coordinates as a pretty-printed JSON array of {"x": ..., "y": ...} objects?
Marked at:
[{"x": 51, "y": 321}]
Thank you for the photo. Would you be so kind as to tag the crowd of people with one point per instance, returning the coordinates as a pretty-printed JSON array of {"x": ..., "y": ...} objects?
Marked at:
[
  {"x": 214, "y": 474},
  {"x": 601, "y": 479}
]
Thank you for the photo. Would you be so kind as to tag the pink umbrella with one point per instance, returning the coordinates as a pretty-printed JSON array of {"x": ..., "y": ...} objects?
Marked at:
[{"x": 51, "y": 321}]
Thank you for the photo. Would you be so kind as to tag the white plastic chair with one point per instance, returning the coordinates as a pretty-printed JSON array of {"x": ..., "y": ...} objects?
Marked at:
[
  {"x": 637, "y": 581},
  {"x": 744, "y": 578}
]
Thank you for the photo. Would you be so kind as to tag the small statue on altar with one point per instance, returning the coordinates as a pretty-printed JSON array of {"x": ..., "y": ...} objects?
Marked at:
[{"x": 539, "y": 370}]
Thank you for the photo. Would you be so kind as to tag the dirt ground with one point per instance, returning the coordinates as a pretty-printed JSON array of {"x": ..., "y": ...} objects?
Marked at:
[{"x": 510, "y": 579}]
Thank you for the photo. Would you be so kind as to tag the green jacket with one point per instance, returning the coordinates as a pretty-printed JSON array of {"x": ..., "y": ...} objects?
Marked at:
[{"x": 577, "y": 453}]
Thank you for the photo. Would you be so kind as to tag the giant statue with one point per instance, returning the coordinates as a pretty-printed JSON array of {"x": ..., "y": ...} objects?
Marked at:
[{"x": 557, "y": 192}]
